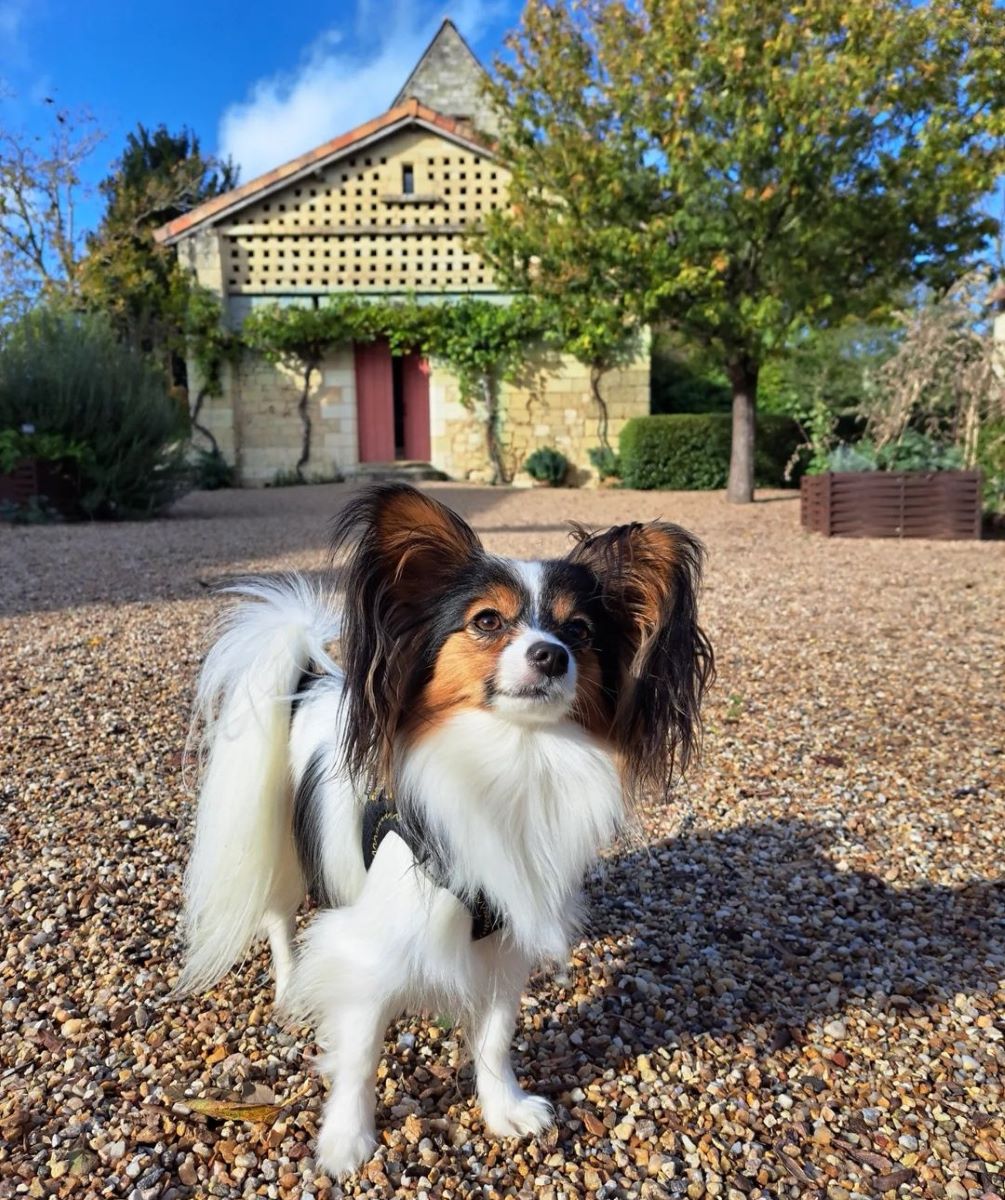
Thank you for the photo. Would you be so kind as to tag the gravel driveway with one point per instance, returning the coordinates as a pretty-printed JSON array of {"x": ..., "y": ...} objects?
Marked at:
[{"x": 793, "y": 980}]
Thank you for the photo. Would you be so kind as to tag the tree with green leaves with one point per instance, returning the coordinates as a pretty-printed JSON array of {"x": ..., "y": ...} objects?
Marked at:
[
  {"x": 138, "y": 284},
  {"x": 745, "y": 172}
]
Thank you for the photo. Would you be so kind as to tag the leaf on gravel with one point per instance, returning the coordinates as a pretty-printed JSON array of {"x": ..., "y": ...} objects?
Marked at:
[
  {"x": 82, "y": 1162},
  {"x": 796, "y": 1169},
  {"x": 232, "y": 1109},
  {"x": 887, "y": 1183},
  {"x": 594, "y": 1124}
]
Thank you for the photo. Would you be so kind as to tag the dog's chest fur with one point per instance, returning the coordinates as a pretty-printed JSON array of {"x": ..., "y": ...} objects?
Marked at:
[{"x": 518, "y": 812}]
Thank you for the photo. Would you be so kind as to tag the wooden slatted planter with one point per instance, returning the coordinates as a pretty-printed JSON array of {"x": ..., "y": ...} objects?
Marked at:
[
  {"x": 31, "y": 479},
  {"x": 915, "y": 504}
]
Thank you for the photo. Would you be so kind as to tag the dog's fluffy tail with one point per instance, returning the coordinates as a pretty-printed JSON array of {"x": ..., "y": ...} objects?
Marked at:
[{"x": 243, "y": 869}]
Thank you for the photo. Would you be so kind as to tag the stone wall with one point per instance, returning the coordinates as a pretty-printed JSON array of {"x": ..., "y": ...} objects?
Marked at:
[
  {"x": 550, "y": 405},
  {"x": 257, "y": 425}
]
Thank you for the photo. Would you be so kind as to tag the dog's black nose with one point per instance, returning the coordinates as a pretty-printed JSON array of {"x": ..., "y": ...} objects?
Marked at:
[{"x": 550, "y": 658}]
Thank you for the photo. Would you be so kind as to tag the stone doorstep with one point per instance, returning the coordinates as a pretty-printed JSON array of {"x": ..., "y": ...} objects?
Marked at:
[{"x": 404, "y": 470}]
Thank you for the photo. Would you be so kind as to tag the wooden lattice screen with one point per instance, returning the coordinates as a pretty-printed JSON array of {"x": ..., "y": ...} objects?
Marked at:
[{"x": 391, "y": 217}]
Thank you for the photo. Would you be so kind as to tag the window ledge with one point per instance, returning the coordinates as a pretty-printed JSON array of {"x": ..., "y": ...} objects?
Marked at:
[{"x": 410, "y": 198}]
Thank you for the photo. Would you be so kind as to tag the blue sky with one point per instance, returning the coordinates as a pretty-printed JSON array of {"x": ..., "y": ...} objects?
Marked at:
[{"x": 260, "y": 81}]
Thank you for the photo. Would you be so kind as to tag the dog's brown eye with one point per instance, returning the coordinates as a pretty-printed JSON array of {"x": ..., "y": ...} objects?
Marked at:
[
  {"x": 578, "y": 630},
  {"x": 487, "y": 621}
]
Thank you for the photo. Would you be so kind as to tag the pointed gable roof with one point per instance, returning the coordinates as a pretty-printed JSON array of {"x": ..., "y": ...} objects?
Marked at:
[
  {"x": 450, "y": 79},
  {"x": 399, "y": 117}
]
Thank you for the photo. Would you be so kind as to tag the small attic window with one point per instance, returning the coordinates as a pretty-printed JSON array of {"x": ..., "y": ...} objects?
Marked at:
[{"x": 407, "y": 179}]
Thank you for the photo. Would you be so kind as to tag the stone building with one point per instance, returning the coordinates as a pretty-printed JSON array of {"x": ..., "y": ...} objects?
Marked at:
[{"x": 383, "y": 210}]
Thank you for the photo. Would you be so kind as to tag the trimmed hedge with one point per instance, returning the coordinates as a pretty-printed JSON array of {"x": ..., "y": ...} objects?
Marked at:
[{"x": 690, "y": 451}]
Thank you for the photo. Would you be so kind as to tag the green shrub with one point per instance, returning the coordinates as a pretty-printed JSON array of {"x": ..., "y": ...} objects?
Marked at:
[
  {"x": 547, "y": 465},
  {"x": 606, "y": 463},
  {"x": 847, "y": 459},
  {"x": 211, "y": 471},
  {"x": 912, "y": 451},
  {"x": 18, "y": 444},
  {"x": 690, "y": 451},
  {"x": 67, "y": 377},
  {"x": 991, "y": 460}
]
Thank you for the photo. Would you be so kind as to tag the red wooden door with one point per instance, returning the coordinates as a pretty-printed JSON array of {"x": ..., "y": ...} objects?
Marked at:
[
  {"x": 375, "y": 402},
  {"x": 415, "y": 398}
]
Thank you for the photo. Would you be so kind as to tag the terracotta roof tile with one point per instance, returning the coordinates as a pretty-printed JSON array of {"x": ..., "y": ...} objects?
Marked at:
[{"x": 240, "y": 196}]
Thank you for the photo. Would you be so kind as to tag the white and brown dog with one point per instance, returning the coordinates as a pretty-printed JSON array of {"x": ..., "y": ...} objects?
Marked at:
[{"x": 491, "y": 717}]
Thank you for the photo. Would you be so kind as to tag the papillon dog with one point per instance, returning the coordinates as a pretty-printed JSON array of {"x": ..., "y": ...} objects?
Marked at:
[{"x": 441, "y": 790}]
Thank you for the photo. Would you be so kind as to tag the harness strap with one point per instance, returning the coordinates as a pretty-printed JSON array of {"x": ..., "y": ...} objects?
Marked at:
[{"x": 380, "y": 817}]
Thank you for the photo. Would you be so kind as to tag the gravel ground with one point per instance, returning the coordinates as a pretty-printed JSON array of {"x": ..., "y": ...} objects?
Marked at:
[{"x": 793, "y": 982}]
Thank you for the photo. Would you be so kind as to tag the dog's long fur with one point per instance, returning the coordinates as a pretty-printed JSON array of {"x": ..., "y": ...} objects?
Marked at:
[{"x": 511, "y": 709}]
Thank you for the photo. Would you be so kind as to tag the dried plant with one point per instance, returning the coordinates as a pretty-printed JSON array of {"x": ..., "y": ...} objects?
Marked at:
[{"x": 947, "y": 377}]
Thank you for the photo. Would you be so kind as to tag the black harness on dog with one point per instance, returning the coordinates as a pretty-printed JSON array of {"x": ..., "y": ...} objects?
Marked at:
[{"x": 380, "y": 817}]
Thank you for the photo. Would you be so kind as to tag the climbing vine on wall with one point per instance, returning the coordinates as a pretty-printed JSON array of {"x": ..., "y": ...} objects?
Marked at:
[
  {"x": 483, "y": 343},
  {"x": 210, "y": 345}
]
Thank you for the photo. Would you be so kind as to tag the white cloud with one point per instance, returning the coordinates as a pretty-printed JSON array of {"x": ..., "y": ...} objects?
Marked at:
[
  {"x": 349, "y": 74},
  {"x": 13, "y": 19},
  {"x": 12, "y": 14}
]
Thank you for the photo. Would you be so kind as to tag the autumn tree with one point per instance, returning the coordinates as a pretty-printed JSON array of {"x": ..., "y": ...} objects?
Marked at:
[
  {"x": 126, "y": 275},
  {"x": 745, "y": 172},
  {"x": 40, "y": 194}
]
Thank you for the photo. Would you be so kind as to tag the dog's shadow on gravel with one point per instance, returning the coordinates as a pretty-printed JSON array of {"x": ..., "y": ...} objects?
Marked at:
[{"x": 764, "y": 928}]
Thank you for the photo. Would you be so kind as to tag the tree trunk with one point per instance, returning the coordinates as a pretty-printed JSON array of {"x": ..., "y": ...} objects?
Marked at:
[
  {"x": 200, "y": 397},
  {"x": 305, "y": 425},
  {"x": 743, "y": 378},
  {"x": 490, "y": 392},
  {"x": 603, "y": 422}
]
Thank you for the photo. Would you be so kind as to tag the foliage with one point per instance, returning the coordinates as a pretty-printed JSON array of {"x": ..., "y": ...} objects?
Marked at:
[
  {"x": 846, "y": 458},
  {"x": 209, "y": 346},
  {"x": 482, "y": 342},
  {"x": 913, "y": 451},
  {"x": 595, "y": 326},
  {"x": 947, "y": 377},
  {"x": 547, "y": 465},
  {"x": 744, "y": 172},
  {"x": 824, "y": 380},
  {"x": 211, "y": 471},
  {"x": 991, "y": 460},
  {"x": 605, "y": 462},
  {"x": 690, "y": 451},
  {"x": 25, "y": 443},
  {"x": 68, "y": 376},
  {"x": 685, "y": 378},
  {"x": 40, "y": 191},
  {"x": 298, "y": 338},
  {"x": 485, "y": 344},
  {"x": 141, "y": 286},
  {"x": 37, "y": 511}
]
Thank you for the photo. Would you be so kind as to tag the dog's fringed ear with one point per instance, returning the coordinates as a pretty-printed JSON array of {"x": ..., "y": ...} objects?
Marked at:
[
  {"x": 649, "y": 577},
  {"x": 403, "y": 549}
]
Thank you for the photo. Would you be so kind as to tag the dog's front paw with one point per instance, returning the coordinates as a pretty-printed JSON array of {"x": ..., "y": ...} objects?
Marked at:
[
  {"x": 518, "y": 1115},
  {"x": 341, "y": 1152}
]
